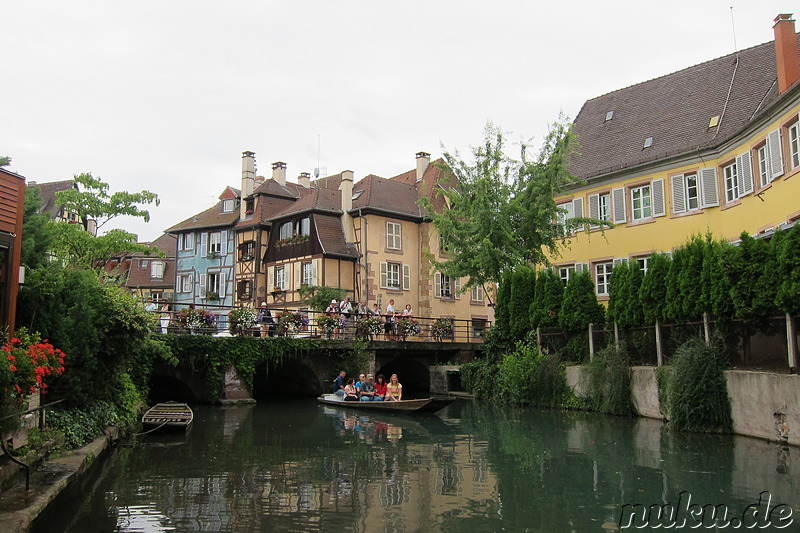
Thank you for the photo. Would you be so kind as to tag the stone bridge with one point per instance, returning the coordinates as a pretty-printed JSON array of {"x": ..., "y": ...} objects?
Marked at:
[{"x": 423, "y": 368}]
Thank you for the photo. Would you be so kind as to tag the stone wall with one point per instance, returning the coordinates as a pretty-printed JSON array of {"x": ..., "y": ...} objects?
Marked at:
[{"x": 439, "y": 380}]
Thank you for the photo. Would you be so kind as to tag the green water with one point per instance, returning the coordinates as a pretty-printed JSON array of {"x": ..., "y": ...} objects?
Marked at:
[{"x": 299, "y": 466}]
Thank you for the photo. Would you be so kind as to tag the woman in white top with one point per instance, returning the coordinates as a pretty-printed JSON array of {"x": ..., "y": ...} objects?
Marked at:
[{"x": 407, "y": 311}]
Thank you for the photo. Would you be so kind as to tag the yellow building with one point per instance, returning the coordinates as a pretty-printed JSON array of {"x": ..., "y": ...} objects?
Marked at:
[{"x": 711, "y": 148}]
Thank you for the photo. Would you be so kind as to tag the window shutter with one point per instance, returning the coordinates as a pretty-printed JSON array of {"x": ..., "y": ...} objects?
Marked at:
[
  {"x": 384, "y": 276},
  {"x": 297, "y": 275},
  {"x": 222, "y": 284},
  {"x": 581, "y": 267},
  {"x": 709, "y": 196},
  {"x": 745, "y": 173},
  {"x": 657, "y": 190},
  {"x": 204, "y": 243},
  {"x": 202, "y": 285},
  {"x": 190, "y": 283},
  {"x": 618, "y": 199},
  {"x": 314, "y": 272},
  {"x": 406, "y": 277},
  {"x": 774, "y": 154},
  {"x": 594, "y": 207},
  {"x": 223, "y": 243},
  {"x": 188, "y": 241},
  {"x": 437, "y": 284},
  {"x": 679, "y": 194},
  {"x": 457, "y": 281},
  {"x": 270, "y": 278},
  {"x": 180, "y": 241},
  {"x": 577, "y": 208}
]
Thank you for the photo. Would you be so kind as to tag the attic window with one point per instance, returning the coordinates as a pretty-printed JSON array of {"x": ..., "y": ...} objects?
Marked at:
[
  {"x": 227, "y": 206},
  {"x": 609, "y": 116},
  {"x": 714, "y": 122},
  {"x": 357, "y": 194},
  {"x": 648, "y": 142}
]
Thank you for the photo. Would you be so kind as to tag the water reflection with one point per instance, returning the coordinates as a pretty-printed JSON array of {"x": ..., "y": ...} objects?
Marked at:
[{"x": 304, "y": 467}]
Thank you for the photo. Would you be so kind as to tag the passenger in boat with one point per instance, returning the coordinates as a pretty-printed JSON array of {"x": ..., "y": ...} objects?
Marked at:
[
  {"x": 361, "y": 380},
  {"x": 380, "y": 388},
  {"x": 368, "y": 389},
  {"x": 394, "y": 390},
  {"x": 350, "y": 394},
  {"x": 339, "y": 384}
]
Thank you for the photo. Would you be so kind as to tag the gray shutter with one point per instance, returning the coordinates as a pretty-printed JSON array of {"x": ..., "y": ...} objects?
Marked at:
[
  {"x": 384, "y": 275},
  {"x": 774, "y": 154},
  {"x": 594, "y": 207},
  {"x": 577, "y": 208},
  {"x": 202, "y": 285},
  {"x": 222, "y": 284},
  {"x": 745, "y": 174},
  {"x": 406, "y": 277},
  {"x": 204, "y": 243},
  {"x": 618, "y": 201},
  {"x": 679, "y": 194},
  {"x": 223, "y": 243},
  {"x": 437, "y": 285},
  {"x": 190, "y": 282},
  {"x": 657, "y": 189},
  {"x": 709, "y": 196}
]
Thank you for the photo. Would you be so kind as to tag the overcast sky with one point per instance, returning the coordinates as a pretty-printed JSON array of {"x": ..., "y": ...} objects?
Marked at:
[{"x": 165, "y": 95}]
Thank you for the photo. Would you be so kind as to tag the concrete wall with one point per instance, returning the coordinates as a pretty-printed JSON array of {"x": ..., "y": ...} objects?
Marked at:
[
  {"x": 763, "y": 404},
  {"x": 439, "y": 382}
]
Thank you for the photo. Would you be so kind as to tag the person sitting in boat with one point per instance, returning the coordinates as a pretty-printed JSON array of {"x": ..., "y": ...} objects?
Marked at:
[
  {"x": 394, "y": 390},
  {"x": 361, "y": 380},
  {"x": 380, "y": 388},
  {"x": 339, "y": 384},
  {"x": 350, "y": 394},
  {"x": 368, "y": 390}
]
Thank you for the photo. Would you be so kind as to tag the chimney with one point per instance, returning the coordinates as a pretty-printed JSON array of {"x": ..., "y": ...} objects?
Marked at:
[
  {"x": 304, "y": 180},
  {"x": 786, "y": 55},
  {"x": 279, "y": 172},
  {"x": 346, "y": 187},
  {"x": 248, "y": 178},
  {"x": 423, "y": 160},
  {"x": 259, "y": 181}
]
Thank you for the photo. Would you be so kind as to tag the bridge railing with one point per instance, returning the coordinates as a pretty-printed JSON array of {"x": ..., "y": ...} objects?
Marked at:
[{"x": 303, "y": 322}]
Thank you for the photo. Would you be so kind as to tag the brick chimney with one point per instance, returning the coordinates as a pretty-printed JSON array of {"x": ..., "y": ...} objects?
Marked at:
[
  {"x": 346, "y": 188},
  {"x": 788, "y": 59},
  {"x": 304, "y": 180},
  {"x": 423, "y": 160},
  {"x": 279, "y": 172},
  {"x": 248, "y": 178}
]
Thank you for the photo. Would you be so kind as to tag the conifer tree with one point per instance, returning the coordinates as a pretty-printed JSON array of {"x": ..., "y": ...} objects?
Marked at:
[
  {"x": 580, "y": 306},
  {"x": 547, "y": 300},
  {"x": 787, "y": 271},
  {"x": 653, "y": 290},
  {"x": 522, "y": 293}
]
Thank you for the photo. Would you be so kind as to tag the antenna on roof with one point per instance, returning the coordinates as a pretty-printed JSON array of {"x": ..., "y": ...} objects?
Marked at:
[
  {"x": 733, "y": 28},
  {"x": 316, "y": 170}
]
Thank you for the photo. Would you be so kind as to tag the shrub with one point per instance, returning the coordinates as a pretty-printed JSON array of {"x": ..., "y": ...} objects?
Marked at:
[
  {"x": 610, "y": 381},
  {"x": 479, "y": 378},
  {"x": 693, "y": 390},
  {"x": 530, "y": 377}
]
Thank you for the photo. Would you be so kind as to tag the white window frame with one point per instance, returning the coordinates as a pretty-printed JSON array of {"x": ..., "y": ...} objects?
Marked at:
[
  {"x": 565, "y": 272},
  {"x": 731, "y": 177},
  {"x": 157, "y": 270},
  {"x": 476, "y": 294},
  {"x": 394, "y": 276},
  {"x": 641, "y": 202},
  {"x": 445, "y": 286},
  {"x": 307, "y": 273},
  {"x": 394, "y": 236},
  {"x": 304, "y": 226},
  {"x": 762, "y": 158},
  {"x": 185, "y": 284},
  {"x": 215, "y": 242},
  {"x": 186, "y": 241},
  {"x": 281, "y": 280},
  {"x": 285, "y": 231},
  {"x": 228, "y": 206},
  {"x": 604, "y": 207},
  {"x": 794, "y": 145},
  {"x": 566, "y": 211},
  {"x": 213, "y": 282},
  {"x": 644, "y": 263},
  {"x": 602, "y": 277}
]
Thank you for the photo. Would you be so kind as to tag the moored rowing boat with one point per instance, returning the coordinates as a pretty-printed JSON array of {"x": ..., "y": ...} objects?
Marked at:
[{"x": 169, "y": 416}]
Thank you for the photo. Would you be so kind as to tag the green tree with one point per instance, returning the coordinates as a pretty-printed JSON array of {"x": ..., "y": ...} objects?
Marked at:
[
  {"x": 502, "y": 309},
  {"x": 319, "y": 297},
  {"x": 716, "y": 277},
  {"x": 38, "y": 234},
  {"x": 548, "y": 297},
  {"x": 5, "y": 161},
  {"x": 624, "y": 305},
  {"x": 753, "y": 287},
  {"x": 787, "y": 254},
  {"x": 653, "y": 290},
  {"x": 580, "y": 306},
  {"x": 522, "y": 293},
  {"x": 95, "y": 200}
]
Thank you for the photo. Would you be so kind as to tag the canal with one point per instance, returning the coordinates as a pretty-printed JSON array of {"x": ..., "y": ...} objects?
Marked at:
[{"x": 299, "y": 466}]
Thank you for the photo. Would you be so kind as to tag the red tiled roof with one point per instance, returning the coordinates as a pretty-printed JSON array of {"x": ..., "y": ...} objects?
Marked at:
[
  {"x": 675, "y": 111},
  {"x": 210, "y": 218},
  {"x": 388, "y": 196},
  {"x": 317, "y": 200}
]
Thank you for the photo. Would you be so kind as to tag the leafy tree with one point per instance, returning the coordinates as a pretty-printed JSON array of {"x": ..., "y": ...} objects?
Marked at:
[
  {"x": 787, "y": 254},
  {"x": 522, "y": 293},
  {"x": 580, "y": 306},
  {"x": 38, "y": 233},
  {"x": 653, "y": 290},
  {"x": 319, "y": 297},
  {"x": 502, "y": 309},
  {"x": 548, "y": 297},
  {"x": 5, "y": 161},
  {"x": 96, "y": 202},
  {"x": 77, "y": 247}
]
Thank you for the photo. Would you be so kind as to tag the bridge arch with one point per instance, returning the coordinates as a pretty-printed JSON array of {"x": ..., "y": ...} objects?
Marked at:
[
  {"x": 412, "y": 373},
  {"x": 175, "y": 384},
  {"x": 291, "y": 378}
]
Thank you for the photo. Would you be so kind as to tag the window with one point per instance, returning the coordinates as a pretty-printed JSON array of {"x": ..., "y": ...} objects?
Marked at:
[
  {"x": 794, "y": 144},
  {"x": 228, "y": 206},
  {"x": 157, "y": 270},
  {"x": 602, "y": 277},
  {"x": 478, "y": 327},
  {"x": 247, "y": 251},
  {"x": 763, "y": 165},
  {"x": 280, "y": 278},
  {"x": 685, "y": 193},
  {"x": 307, "y": 273},
  {"x": 394, "y": 239},
  {"x": 304, "y": 226},
  {"x": 214, "y": 242},
  {"x": 476, "y": 294},
  {"x": 565, "y": 212},
  {"x": 249, "y": 206},
  {"x": 143, "y": 264},
  {"x": 185, "y": 283},
  {"x": 393, "y": 276},
  {"x": 212, "y": 283},
  {"x": 640, "y": 202},
  {"x": 285, "y": 231},
  {"x": 244, "y": 289},
  {"x": 604, "y": 207},
  {"x": 644, "y": 264},
  {"x": 445, "y": 287},
  {"x": 565, "y": 273},
  {"x": 731, "y": 182},
  {"x": 186, "y": 241}
]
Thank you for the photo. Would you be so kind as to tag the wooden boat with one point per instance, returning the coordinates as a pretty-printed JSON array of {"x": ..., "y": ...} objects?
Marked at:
[
  {"x": 169, "y": 416},
  {"x": 427, "y": 405}
]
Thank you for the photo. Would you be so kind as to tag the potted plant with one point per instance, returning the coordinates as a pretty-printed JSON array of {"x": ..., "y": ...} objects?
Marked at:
[
  {"x": 441, "y": 328},
  {"x": 408, "y": 326},
  {"x": 212, "y": 255},
  {"x": 212, "y": 296},
  {"x": 369, "y": 326},
  {"x": 327, "y": 324},
  {"x": 242, "y": 319}
]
